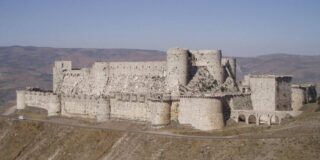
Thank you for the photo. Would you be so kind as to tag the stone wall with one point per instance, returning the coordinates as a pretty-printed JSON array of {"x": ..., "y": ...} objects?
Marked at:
[
  {"x": 85, "y": 107},
  {"x": 39, "y": 99},
  {"x": 193, "y": 87},
  {"x": 130, "y": 106},
  {"x": 58, "y": 71},
  {"x": 310, "y": 92},
  {"x": 210, "y": 59},
  {"x": 242, "y": 102},
  {"x": 76, "y": 82},
  {"x": 298, "y": 98},
  {"x": 283, "y": 94},
  {"x": 160, "y": 113},
  {"x": 177, "y": 69},
  {"x": 201, "y": 113},
  {"x": 270, "y": 92},
  {"x": 155, "y": 68},
  {"x": 263, "y": 91},
  {"x": 106, "y": 77}
]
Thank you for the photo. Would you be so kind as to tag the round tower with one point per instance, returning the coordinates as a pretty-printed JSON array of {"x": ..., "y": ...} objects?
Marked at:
[
  {"x": 297, "y": 98},
  {"x": 54, "y": 105},
  {"x": 177, "y": 69},
  {"x": 204, "y": 113},
  {"x": 21, "y": 99},
  {"x": 160, "y": 113},
  {"x": 214, "y": 64},
  {"x": 210, "y": 59}
]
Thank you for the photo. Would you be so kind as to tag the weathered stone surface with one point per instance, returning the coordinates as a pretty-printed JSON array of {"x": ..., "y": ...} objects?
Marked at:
[
  {"x": 241, "y": 103},
  {"x": 204, "y": 83},
  {"x": 193, "y": 87}
]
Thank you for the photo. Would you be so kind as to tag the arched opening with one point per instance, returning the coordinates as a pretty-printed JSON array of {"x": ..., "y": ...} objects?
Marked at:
[
  {"x": 275, "y": 120},
  {"x": 252, "y": 119},
  {"x": 264, "y": 119},
  {"x": 241, "y": 118}
]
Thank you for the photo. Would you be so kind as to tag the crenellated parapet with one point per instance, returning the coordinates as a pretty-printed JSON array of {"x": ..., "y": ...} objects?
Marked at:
[
  {"x": 192, "y": 87},
  {"x": 86, "y": 106},
  {"x": 129, "y": 97}
]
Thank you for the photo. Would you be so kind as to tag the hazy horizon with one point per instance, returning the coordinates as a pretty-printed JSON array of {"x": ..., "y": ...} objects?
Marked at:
[{"x": 238, "y": 28}]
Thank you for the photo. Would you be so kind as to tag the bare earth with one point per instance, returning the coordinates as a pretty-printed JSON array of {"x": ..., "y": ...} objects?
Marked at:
[{"x": 63, "y": 138}]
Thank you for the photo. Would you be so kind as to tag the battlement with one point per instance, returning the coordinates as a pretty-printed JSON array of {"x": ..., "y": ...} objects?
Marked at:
[
  {"x": 271, "y": 76},
  {"x": 39, "y": 93},
  {"x": 128, "y": 97},
  {"x": 193, "y": 87}
]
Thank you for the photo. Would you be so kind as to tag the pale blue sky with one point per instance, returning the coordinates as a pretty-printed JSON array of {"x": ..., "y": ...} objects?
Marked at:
[{"x": 238, "y": 27}]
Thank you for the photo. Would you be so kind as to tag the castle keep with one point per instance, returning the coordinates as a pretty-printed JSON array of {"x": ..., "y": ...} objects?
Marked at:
[{"x": 192, "y": 87}]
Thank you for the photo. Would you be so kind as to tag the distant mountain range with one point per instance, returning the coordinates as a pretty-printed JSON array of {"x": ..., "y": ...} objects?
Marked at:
[{"x": 32, "y": 66}]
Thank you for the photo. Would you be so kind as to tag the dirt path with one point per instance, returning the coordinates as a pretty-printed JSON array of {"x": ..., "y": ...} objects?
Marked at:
[
  {"x": 173, "y": 135},
  {"x": 9, "y": 111}
]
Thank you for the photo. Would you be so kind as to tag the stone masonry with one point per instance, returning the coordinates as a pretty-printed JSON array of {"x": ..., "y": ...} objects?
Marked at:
[{"x": 193, "y": 87}]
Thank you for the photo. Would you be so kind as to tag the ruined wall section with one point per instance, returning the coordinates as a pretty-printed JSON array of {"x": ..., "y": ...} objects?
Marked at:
[
  {"x": 230, "y": 67},
  {"x": 59, "y": 68},
  {"x": 310, "y": 92},
  {"x": 139, "y": 77},
  {"x": 241, "y": 102},
  {"x": 77, "y": 82},
  {"x": 283, "y": 93},
  {"x": 106, "y": 77},
  {"x": 100, "y": 77},
  {"x": 210, "y": 59}
]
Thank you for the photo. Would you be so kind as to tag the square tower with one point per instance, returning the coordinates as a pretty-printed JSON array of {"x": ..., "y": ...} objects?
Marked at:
[
  {"x": 58, "y": 69},
  {"x": 270, "y": 92}
]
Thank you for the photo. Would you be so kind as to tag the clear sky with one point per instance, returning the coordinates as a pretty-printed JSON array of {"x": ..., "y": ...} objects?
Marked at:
[{"x": 237, "y": 27}]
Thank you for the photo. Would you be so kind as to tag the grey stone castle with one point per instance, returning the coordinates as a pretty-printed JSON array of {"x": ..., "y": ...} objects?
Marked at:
[{"x": 192, "y": 87}]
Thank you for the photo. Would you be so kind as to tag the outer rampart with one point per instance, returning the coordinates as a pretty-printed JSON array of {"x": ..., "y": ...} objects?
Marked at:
[
  {"x": 202, "y": 113},
  {"x": 193, "y": 87},
  {"x": 130, "y": 106},
  {"x": 84, "y": 106},
  {"x": 40, "y": 99}
]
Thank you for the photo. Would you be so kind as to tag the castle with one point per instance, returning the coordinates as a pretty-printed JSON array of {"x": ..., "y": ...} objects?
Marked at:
[{"x": 192, "y": 87}]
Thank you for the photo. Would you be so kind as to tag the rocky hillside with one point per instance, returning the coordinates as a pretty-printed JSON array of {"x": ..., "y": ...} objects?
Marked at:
[
  {"x": 31, "y": 66},
  {"x": 42, "y": 140}
]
